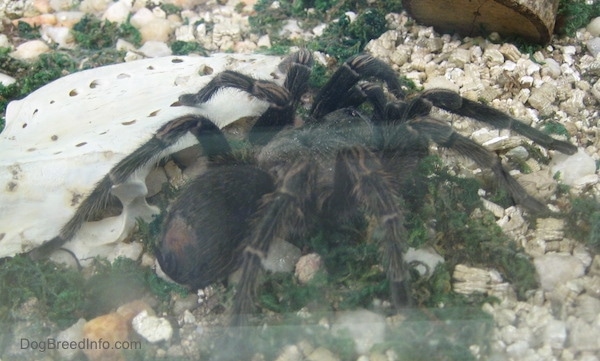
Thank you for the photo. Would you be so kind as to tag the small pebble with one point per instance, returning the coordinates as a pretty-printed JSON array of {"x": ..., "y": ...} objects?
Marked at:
[
  {"x": 594, "y": 27},
  {"x": 30, "y": 50},
  {"x": 554, "y": 269},
  {"x": 153, "y": 329}
]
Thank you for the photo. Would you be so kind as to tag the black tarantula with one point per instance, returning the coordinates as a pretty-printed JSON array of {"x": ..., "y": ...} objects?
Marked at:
[{"x": 338, "y": 160}]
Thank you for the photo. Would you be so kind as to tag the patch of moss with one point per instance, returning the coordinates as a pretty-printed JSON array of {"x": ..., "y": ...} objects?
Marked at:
[
  {"x": 46, "y": 68},
  {"x": 554, "y": 127},
  {"x": 93, "y": 34},
  {"x": 130, "y": 33},
  {"x": 170, "y": 9},
  {"x": 31, "y": 75},
  {"x": 343, "y": 38},
  {"x": 583, "y": 221},
  {"x": 535, "y": 153},
  {"x": 67, "y": 295},
  {"x": 179, "y": 47},
  {"x": 282, "y": 293},
  {"x": 60, "y": 290},
  {"x": 520, "y": 164},
  {"x": 27, "y": 31},
  {"x": 575, "y": 14},
  {"x": 319, "y": 75},
  {"x": 269, "y": 19},
  {"x": 501, "y": 197},
  {"x": 281, "y": 48},
  {"x": 462, "y": 237},
  {"x": 149, "y": 232}
]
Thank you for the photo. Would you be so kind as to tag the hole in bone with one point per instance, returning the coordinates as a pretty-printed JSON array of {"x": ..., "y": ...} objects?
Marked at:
[
  {"x": 81, "y": 144},
  {"x": 31, "y": 149},
  {"x": 129, "y": 122},
  {"x": 2, "y": 236},
  {"x": 177, "y": 60},
  {"x": 94, "y": 84},
  {"x": 54, "y": 137},
  {"x": 76, "y": 199},
  {"x": 55, "y": 153},
  {"x": 11, "y": 186},
  {"x": 206, "y": 70},
  {"x": 24, "y": 125},
  {"x": 103, "y": 133},
  {"x": 35, "y": 111},
  {"x": 73, "y": 93},
  {"x": 52, "y": 102},
  {"x": 123, "y": 76},
  {"x": 150, "y": 67},
  {"x": 153, "y": 114}
]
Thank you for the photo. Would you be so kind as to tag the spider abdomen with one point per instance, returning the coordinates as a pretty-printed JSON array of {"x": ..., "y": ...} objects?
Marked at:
[{"x": 206, "y": 225}]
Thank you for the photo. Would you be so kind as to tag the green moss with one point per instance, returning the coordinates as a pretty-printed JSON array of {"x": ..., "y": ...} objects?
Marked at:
[
  {"x": 59, "y": 290},
  {"x": 583, "y": 221},
  {"x": 239, "y": 7},
  {"x": 464, "y": 238},
  {"x": 130, "y": 33},
  {"x": 557, "y": 128},
  {"x": 575, "y": 14},
  {"x": 278, "y": 49},
  {"x": 369, "y": 24},
  {"x": 31, "y": 75},
  {"x": 282, "y": 293},
  {"x": 268, "y": 19},
  {"x": 67, "y": 295},
  {"x": 501, "y": 197},
  {"x": 93, "y": 34},
  {"x": 170, "y": 9},
  {"x": 149, "y": 232},
  {"x": 47, "y": 68},
  {"x": 520, "y": 164},
  {"x": 27, "y": 31},
  {"x": 342, "y": 38},
  {"x": 319, "y": 76},
  {"x": 535, "y": 153},
  {"x": 179, "y": 47}
]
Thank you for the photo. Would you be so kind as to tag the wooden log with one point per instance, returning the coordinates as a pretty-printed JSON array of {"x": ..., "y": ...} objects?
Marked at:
[{"x": 530, "y": 19}]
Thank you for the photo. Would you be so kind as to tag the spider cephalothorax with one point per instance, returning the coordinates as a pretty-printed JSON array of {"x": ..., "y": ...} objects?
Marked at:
[{"x": 339, "y": 159}]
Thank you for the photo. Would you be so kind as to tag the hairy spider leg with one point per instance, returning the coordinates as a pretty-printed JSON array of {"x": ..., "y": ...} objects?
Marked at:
[
  {"x": 281, "y": 214},
  {"x": 444, "y": 135},
  {"x": 454, "y": 103},
  {"x": 374, "y": 95},
  {"x": 363, "y": 175},
  {"x": 209, "y": 136},
  {"x": 335, "y": 92},
  {"x": 268, "y": 91},
  {"x": 366, "y": 92},
  {"x": 275, "y": 118}
]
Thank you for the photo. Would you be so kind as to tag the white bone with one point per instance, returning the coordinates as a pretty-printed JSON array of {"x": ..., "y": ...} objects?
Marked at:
[{"x": 63, "y": 138}]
